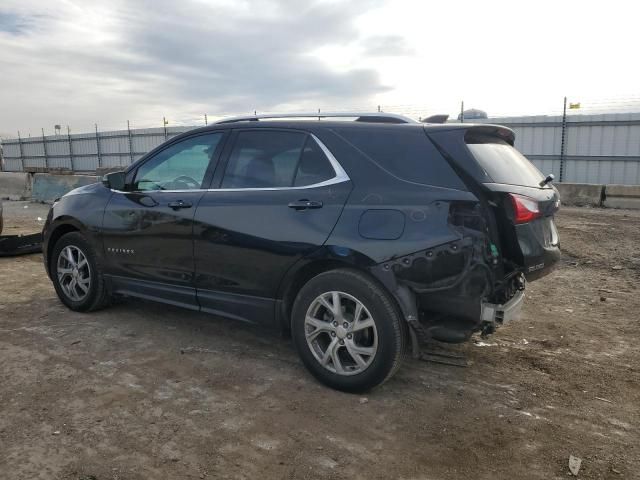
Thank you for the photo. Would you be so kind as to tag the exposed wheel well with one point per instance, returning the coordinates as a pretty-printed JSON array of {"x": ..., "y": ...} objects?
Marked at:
[{"x": 309, "y": 271}]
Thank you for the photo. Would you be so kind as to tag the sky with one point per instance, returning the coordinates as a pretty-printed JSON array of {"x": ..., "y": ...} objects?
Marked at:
[{"x": 83, "y": 62}]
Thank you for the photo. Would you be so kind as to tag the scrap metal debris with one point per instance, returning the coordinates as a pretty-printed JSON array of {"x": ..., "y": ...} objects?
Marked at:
[
  {"x": 603, "y": 400},
  {"x": 436, "y": 354},
  {"x": 574, "y": 465},
  {"x": 11, "y": 245},
  {"x": 484, "y": 344}
]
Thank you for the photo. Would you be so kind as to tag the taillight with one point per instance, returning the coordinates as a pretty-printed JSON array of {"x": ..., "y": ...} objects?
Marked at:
[{"x": 525, "y": 209}]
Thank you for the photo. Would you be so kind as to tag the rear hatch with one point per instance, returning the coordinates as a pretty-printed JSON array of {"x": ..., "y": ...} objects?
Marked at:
[{"x": 512, "y": 188}]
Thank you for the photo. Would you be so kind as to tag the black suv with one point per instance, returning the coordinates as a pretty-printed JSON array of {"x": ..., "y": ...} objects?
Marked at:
[{"x": 359, "y": 237}]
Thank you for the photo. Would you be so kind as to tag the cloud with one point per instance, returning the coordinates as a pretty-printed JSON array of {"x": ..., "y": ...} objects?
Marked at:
[
  {"x": 13, "y": 23},
  {"x": 83, "y": 61},
  {"x": 386, "y": 46}
]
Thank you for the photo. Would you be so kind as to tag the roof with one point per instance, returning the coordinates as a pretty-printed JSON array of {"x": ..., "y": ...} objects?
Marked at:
[{"x": 311, "y": 125}]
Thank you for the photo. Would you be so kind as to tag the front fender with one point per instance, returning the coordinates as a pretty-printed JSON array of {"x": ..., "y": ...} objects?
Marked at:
[{"x": 81, "y": 210}]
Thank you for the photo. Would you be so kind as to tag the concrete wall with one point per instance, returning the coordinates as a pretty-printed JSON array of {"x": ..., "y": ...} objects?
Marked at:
[
  {"x": 46, "y": 187},
  {"x": 102, "y": 171},
  {"x": 608, "y": 196},
  {"x": 622, "y": 196},
  {"x": 15, "y": 186},
  {"x": 580, "y": 194}
]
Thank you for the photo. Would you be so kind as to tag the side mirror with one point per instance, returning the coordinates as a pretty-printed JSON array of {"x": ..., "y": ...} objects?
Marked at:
[{"x": 114, "y": 180}]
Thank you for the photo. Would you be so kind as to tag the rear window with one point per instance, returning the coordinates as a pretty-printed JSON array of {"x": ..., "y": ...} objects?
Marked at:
[
  {"x": 405, "y": 153},
  {"x": 503, "y": 163}
]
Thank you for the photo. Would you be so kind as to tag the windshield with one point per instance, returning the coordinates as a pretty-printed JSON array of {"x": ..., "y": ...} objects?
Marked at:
[{"x": 503, "y": 163}]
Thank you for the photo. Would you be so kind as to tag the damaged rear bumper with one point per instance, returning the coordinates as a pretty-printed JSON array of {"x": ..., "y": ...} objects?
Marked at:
[
  {"x": 494, "y": 315},
  {"x": 449, "y": 292}
]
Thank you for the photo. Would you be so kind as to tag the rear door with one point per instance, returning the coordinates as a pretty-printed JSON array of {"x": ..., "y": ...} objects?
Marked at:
[
  {"x": 523, "y": 204},
  {"x": 276, "y": 200}
]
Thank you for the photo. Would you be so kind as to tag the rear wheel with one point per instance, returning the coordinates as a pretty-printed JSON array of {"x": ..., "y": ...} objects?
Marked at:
[
  {"x": 347, "y": 330},
  {"x": 76, "y": 274}
]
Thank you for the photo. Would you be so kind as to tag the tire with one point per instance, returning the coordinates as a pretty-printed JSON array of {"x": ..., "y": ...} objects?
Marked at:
[
  {"x": 96, "y": 295},
  {"x": 379, "y": 329}
]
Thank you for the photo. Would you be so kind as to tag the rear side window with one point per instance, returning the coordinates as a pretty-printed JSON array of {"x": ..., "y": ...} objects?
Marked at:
[
  {"x": 502, "y": 162},
  {"x": 275, "y": 159},
  {"x": 314, "y": 166},
  {"x": 405, "y": 153}
]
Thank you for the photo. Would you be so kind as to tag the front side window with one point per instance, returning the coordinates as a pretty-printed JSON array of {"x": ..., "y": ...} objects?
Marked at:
[
  {"x": 182, "y": 166},
  {"x": 275, "y": 159}
]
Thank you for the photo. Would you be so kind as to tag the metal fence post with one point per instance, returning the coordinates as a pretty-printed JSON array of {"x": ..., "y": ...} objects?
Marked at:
[
  {"x": 44, "y": 147},
  {"x": 98, "y": 147},
  {"x": 562, "y": 139},
  {"x": 130, "y": 143},
  {"x": 20, "y": 150},
  {"x": 70, "y": 148}
]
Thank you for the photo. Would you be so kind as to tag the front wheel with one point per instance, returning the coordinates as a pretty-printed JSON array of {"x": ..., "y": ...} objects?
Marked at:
[
  {"x": 347, "y": 330},
  {"x": 76, "y": 274}
]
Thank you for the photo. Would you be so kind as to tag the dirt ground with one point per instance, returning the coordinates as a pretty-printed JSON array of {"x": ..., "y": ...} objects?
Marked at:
[{"x": 148, "y": 391}]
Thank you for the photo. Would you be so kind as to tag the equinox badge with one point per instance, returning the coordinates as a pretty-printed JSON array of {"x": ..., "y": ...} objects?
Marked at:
[{"x": 125, "y": 251}]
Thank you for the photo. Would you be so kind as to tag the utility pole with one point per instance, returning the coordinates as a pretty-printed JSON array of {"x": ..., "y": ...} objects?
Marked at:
[
  {"x": 205, "y": 119},
  {"x": 70, "y": 147},
  {"x": 462, "y": 111},
  {"x": 44, "y": 147},
  {"x": 98, "y": 147},
  {"x": 20, "y": 150},
  {"x": 562, "y": 139},
  {"x": 130, "y": 142}
]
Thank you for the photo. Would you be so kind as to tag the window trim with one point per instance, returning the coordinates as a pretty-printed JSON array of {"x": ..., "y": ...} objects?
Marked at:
[{"x": 340, "y": 177}]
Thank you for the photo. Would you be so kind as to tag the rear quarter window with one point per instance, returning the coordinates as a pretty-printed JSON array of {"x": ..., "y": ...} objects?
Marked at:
[{"x": 406, "y": 154}]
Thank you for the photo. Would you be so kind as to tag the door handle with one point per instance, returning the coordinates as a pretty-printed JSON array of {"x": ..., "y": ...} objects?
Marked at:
[
  {"x": 180, "y": 204},
  {"x": 305, "y": 204}
]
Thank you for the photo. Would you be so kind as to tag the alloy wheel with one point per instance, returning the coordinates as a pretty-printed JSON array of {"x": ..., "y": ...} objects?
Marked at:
[
  {"x": 74, "y": 273},
  {"x": 341, "y": 333}
]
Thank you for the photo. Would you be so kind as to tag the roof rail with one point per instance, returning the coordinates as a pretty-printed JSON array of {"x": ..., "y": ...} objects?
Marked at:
[{"x": 376, "y": 117}]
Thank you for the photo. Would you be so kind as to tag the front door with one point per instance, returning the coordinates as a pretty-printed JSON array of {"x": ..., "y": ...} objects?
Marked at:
[
  {"x": 279, "y": 197},
  {"x": 148, "y": 229}
]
